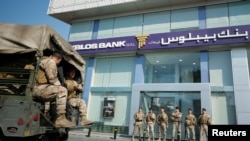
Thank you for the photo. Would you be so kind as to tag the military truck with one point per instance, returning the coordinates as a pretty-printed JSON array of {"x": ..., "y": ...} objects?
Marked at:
[{"x": 21, "y": 48}]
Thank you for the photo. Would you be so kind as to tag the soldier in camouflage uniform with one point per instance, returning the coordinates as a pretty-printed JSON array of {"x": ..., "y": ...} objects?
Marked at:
[
  {"x": 176, "y": 118},
  {"x": 139, "y": 118},
  {"x": 204, "y": 120},
  {"x": 162, "y": 120},
  {"x": 48, "y": 88},
  {"x": 190, "y": 122},
  {"x": 150, "y": 122},
  {"x": 73, "y": 99}
]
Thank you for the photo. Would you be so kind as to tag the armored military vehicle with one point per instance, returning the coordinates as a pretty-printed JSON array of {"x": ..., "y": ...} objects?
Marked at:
[{"x": 21, "y": 48}]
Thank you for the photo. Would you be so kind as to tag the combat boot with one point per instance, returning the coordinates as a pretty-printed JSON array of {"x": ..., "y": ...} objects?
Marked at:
[
  {"x": 61, "y": 121},
  {"x": 85, "y": 121}
]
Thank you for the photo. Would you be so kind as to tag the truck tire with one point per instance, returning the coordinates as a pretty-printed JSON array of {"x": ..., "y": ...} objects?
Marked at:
[
  {"x": 2, "y": 137},
  {"x": 58, "y": 137}
]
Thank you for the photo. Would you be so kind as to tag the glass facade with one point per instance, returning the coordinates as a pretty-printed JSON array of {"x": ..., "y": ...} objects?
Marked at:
[
  {"x": 221, "y": 80},
  {"x": 172, "y": 68},
  {"x": 112, "y": 78},
  {"x": 221, "y": 15},
  {"x": 81, "y": 31}
]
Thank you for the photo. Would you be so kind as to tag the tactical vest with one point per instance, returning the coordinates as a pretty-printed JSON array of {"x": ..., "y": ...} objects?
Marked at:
[
  {"x": 150, "y": 117},
  {"x": 204, "y": 119},
  {"x": 176, "y": 119},
  {"x": 139, "y": 116},
  {"x": 41, "y": 77},
  {"x": 163, "y": 118},
  {"x": 190, "y": 120}
]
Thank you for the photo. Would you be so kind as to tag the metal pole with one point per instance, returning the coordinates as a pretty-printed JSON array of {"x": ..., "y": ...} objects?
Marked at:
[
  {"x": 115, "y": 133},
  {"x": 144, "y": 134}
]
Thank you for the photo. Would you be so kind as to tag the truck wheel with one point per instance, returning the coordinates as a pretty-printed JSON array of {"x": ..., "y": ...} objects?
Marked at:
[
  {"x": 63, "y": 136},
  {"x": 2, "y": 137},
  {"x": 58, "y": 137}
]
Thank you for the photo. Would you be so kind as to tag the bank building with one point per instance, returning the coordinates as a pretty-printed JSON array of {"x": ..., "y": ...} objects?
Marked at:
[{"x": 161, "y": 53}]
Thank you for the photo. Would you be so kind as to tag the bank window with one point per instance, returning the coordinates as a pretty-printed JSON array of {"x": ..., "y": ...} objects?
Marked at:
[
  {"x": 128, "y": 26},
  {"x": 217, "y": 16},
  {"x": 221, "y": 81},
  {"x": 105, "y": 28},
  {"x": 220, "y": 69},
  {"x": 172, "y": 68},
  {"x": 156, "y": 22},
  {"x": 184, "y": 19},
  {"x": 81, "y": 31},
  {"x": 114, "y": 72},
  {"x": 239, "y": 13}
]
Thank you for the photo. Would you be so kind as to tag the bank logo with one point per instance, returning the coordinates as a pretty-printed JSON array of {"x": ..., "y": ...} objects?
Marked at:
[{"x": 142, "y": 40}]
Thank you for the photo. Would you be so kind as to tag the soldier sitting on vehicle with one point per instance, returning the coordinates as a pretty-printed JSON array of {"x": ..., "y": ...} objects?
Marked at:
[
  {"x": 48, "y": 88},
  {"x": 73, "y": 87}
]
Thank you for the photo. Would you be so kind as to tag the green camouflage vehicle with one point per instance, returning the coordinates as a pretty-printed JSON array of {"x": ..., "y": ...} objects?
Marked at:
[{"x": 21, "y": 47}]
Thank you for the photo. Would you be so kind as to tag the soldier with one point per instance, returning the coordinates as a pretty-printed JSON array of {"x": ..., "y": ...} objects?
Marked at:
[
  {"x": 190, "y": 122},
  {"x": 204, "y": 120},
  {"x": 150, "y": 122},
  {"x": 139, "y": 118},
  {"x": 162, "y": 120},
  {"x": 48, "y": 88},
  {"x": 73, "y": 100},
  {"x": 176, "y": 118}
]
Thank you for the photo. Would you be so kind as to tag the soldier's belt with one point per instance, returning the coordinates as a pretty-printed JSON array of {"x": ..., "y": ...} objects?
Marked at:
[{"x": 138, "y": 120}]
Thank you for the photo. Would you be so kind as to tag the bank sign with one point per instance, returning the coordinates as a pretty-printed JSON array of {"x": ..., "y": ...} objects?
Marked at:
[{"x": 194, "y": 38}]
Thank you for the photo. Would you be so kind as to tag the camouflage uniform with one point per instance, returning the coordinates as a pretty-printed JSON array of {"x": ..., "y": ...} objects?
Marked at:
[
  {"x": 176, "y": 118},
  {"x": 139, "y": 117},
  {"x": 204, "y": 120},
  {"x": 162, "y": 120},
  {"x": 75, "y": 101},
  {"x": 190, "y": 122},
  {"x": 150, "y": 121},
  {"x": 48, "y": 88}
]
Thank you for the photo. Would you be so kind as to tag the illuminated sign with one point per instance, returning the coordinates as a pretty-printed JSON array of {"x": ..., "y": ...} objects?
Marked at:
[{"x": 194, "y": 38}]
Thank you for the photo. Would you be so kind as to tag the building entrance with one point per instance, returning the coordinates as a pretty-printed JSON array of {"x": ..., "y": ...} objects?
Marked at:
[{"x": 171, "y": 100}]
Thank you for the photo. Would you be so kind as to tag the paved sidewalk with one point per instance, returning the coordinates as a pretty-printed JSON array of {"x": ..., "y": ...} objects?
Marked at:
[
  {"x": 100, "y": 136},
  {"x": 96, "y": 136}
]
